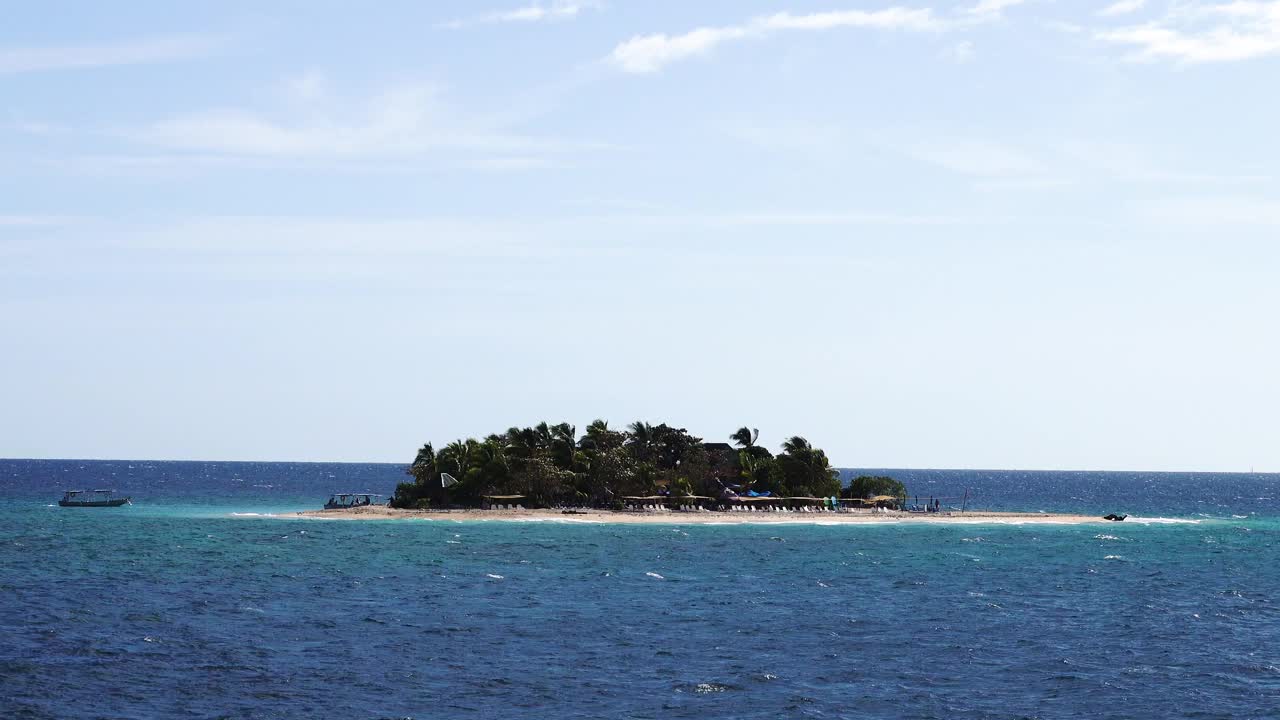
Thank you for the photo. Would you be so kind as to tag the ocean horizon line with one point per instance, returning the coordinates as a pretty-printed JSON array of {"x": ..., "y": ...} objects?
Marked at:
[{"x": 905, "y": 468}]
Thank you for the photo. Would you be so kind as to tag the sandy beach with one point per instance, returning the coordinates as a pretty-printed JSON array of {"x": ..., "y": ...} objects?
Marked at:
[{"x": 378, "y": 512}]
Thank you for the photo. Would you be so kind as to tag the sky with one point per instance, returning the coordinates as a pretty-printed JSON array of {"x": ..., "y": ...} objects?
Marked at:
[{"x": 1027, "y": 234}]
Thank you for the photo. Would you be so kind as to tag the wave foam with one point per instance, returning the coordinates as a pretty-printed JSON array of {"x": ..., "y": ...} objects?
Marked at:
[{"x": 1162, "y": 521}]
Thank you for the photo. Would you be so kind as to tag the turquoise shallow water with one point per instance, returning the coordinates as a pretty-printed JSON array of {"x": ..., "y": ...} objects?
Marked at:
[{"x": 186, "y": 606}]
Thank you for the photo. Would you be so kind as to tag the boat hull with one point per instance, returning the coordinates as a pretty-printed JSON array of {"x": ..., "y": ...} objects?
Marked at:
[{"x": 115, "y": 502}]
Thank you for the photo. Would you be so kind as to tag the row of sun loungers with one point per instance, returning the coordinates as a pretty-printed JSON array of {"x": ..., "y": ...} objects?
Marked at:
[
  {"x": 804, "y": 509},
  {"x": 664, "y": 508},
  {"x": 741, "y": 509}
]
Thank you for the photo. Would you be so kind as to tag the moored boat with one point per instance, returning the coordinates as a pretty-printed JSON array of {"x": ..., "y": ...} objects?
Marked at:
[
  {"x": 92, "y": 498},
  {"x": 343, "y": 501}
]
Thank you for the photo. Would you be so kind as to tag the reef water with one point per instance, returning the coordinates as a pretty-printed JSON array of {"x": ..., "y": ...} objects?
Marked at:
[{"x": 207, "y": 599}]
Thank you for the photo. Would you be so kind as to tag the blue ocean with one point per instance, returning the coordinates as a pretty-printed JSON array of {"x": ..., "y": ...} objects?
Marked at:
[{"x": 204, "y": 599}]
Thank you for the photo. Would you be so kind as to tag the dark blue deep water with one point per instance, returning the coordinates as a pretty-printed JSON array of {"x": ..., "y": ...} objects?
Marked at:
[{"x": 197, "y": 603}]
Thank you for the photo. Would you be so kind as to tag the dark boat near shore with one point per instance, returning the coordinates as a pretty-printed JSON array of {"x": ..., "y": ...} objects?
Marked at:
[
  {"x": 92, "y": 498},
  {"x": 345, "y": 501}
]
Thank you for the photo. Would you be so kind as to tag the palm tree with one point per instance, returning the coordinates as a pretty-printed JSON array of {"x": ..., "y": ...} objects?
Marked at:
[
  {"x": 563, "y": 444},
  {"x": 521, "y": 442},
  {"x": 797, "y": 446},
  {"x": 544, "y": 435},
  {"x": 642, "y": 439},
  {"x": 597, "y": 430},
  {"x": 488, "y": 465},
  {"x": 814, "y": 470},
  {"x": 564, "y": 432},
  {"x": 749, "y": 465},
  {"x": 641, "y": 430},
  {"x": 457, "y": 456},
  {"x": 424, "y": 465},
  {"x": 745, "y": 437}
]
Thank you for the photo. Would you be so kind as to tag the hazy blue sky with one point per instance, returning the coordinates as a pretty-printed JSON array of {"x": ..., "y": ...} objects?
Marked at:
[{"x": 1017, "y": 233}]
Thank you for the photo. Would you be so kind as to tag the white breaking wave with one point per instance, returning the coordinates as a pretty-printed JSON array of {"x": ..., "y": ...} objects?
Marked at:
[{"x": 1161, "y": 521}]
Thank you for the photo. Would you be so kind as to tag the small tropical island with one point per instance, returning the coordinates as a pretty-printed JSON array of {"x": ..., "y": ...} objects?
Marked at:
[{"x": 646, "y": 473}]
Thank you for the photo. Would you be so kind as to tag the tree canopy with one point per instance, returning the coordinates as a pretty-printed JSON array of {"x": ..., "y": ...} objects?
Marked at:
[
  {"x": 553, "y": 465},
  {"x": 868, "y": 486}
]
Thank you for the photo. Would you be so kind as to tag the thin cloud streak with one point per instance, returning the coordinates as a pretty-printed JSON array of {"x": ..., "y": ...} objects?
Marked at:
[
  {"x": 141, "y": 52},
  {"x": 405, "y": 121},
  {"x": 528, "y": 14},
  {"x": 992, "y": 8},
  {"x": 1123, "y": 7},
  {"x": 650, "y": 53}
]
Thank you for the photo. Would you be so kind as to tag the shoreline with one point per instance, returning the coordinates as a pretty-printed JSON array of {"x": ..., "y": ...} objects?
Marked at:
[{"x": 610, "y": 517}]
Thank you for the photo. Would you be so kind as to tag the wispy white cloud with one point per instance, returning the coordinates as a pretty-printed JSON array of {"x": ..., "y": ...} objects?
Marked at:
[
  {"x": 401, "y": 123},
  {"x": 649, "y": 53},
  {"x": 138, "y": 52},
  {"x": 1200, "y": 33},
  {"x": 1123, "y": 7},
  {"x": 990, "y": 9},
  {"x": 528, "y": 14}
]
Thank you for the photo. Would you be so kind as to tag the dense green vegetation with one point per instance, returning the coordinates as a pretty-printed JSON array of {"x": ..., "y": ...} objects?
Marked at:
[
  {"x": 552, "y": 465},
  {"x": 867, "y": 486}
]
